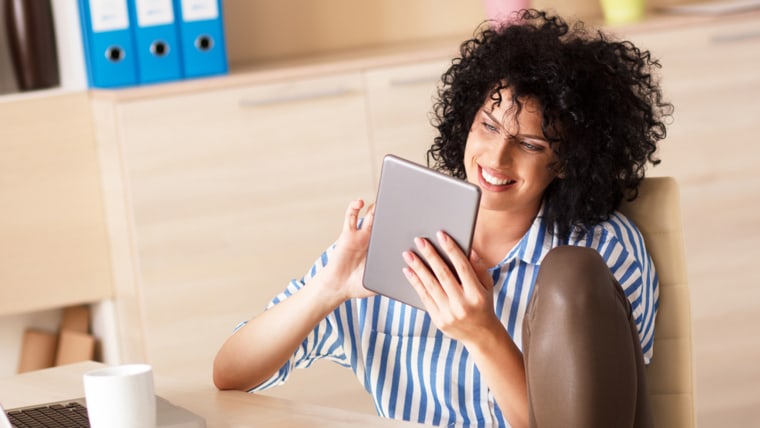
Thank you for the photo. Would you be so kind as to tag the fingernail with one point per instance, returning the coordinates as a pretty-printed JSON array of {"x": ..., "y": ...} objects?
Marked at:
[
  {"x": 442, "y": 237},
  {"x": 408, "y": 256},
  {"x": 419, "y": 242},
  {"x": 407, "y": 272}
]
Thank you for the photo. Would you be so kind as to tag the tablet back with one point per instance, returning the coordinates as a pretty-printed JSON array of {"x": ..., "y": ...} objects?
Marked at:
[{"x": 414, "y": 201}]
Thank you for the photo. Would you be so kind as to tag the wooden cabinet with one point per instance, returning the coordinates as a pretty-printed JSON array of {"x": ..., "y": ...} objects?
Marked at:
[
  {"x": 399, "y": 109},
  {"x": 710, "y": 73},
  {"x": 229, "y": 194},
  {"x": 233, "y": 193},
  {"x": 53, "y": 242}
]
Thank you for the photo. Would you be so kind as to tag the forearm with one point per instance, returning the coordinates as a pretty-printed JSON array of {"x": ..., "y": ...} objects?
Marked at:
[
  {"x": 265, "y": 343},
  {"x": 500, "y": 363}
]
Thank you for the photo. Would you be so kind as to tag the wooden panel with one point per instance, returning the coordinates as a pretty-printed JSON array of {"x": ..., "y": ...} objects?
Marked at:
[
  {"x": 265, "y": 30},
  {"x": 128, "y": 344},
  {"x": 710, "y": 72},
  {"x": 53, "y": 243},
  {"x": 218, "y": 408},
  {"x": 400, "y": 107},
  {"x": 234, "y": 193}
]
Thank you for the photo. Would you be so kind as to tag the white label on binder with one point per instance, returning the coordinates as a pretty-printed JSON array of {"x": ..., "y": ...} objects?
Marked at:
[
  {"x": 199, "y": 10},
  {"x": 109, "y": 15},
  {"x": 154, "y": 12}
]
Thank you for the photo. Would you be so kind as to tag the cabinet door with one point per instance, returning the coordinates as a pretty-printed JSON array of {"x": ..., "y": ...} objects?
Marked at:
[
  {"x": 53, "y": 245},
  {"x": 710, "y": 73},
  {"x": 234, "y": 193},
  {"x": 400, "y": 107}
]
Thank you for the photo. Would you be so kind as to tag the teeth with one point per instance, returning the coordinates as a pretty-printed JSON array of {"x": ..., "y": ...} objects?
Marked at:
[{"x": 490, "y": 179}]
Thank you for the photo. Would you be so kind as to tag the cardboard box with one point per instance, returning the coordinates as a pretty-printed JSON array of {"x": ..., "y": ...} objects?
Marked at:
[
  {"x": 76, "y": 318},
  {"x": 74, "y": 347},
  {"x": 38, "y": 350}
]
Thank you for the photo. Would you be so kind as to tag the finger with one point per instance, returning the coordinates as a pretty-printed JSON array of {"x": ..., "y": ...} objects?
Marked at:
[
  {"x": 422, "y": 292},
  {"x": 440, "y": 270},
  {"x": 369, "y": 218},
  {"x": 352, "y": 215},
  {"x": 450, "y": 280},
  {"x": 472, "y": 271},
  {"x": 426, "y": 278}
]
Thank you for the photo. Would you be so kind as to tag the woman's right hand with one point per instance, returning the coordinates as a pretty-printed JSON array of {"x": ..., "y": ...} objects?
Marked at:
[
  {"x": 343, "y": 273},
  {"x": 254, "y": 352}
]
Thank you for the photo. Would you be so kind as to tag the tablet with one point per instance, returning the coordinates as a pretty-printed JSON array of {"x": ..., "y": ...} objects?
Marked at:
[{"x": 414, "y": 201}]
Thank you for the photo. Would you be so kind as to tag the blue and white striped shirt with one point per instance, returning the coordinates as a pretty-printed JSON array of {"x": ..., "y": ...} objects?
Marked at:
[{"x": 414, "y": 372}]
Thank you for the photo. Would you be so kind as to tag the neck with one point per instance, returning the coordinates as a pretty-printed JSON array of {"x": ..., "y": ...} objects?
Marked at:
[{"x": 497, "y": 232}]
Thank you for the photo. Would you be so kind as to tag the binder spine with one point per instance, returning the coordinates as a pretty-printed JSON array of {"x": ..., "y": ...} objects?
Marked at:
[
  {"x": 156, "y": 40},
  {"x": 202, "y": 38},
  {"x": 107, "y": 39}
]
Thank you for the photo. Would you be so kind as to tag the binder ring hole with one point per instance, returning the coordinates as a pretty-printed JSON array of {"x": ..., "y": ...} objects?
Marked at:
[
  {"x": 159, "y": 48},
  {"x": 204, "y": 42},
  {"x": 114, "y": 54}
]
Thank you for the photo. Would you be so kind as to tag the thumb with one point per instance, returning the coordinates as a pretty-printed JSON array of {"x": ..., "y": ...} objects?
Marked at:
[{"x": 481, "y": 269}]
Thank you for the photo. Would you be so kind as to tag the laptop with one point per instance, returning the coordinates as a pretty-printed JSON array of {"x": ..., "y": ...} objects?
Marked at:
[
  {"x": 415, "y": 201},
  {"x": 73, "y": 413}
]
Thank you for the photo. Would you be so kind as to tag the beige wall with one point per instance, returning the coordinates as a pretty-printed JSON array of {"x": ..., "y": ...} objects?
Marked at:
[
  {"x": 259, "y": 30},
  {"x": 265, "y": 30}
]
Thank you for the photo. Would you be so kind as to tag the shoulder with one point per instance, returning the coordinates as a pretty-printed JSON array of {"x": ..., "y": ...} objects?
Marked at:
[
  {"x": 617, "y": 239},
  {"x": 618, "y": 228}
]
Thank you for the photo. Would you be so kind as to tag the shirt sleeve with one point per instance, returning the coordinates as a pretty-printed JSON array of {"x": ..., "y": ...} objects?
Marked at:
[
  {"x": 623, "y": 249},
  {"x": 324, "y": 341}
]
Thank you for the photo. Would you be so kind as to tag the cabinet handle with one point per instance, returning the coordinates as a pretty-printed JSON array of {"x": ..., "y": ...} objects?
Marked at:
[
  {"x": 730, "y": 38},
  {"x": 305, "y": 96},
  {"x": 411, "y": 81}
]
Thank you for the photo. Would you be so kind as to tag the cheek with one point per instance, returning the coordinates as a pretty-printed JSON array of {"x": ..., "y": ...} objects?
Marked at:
[
  {"x": 542, "y": 173},
  {"x": 548, "y": 174}
]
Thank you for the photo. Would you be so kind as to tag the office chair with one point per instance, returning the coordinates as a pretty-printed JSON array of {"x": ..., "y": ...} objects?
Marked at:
[{"x": 670, "y": 376}]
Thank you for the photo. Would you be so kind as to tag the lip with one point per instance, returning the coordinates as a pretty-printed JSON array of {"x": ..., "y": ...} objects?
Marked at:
[{"x": 492, "y": 187}]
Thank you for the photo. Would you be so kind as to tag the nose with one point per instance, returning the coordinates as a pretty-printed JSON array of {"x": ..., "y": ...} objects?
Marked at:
[{"x": 505, "y": 152}]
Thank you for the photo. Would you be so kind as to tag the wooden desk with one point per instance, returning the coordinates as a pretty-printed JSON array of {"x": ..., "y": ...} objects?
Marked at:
[{"x": 220, "y": 408}]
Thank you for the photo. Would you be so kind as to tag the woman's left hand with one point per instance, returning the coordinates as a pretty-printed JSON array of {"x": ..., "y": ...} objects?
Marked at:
[{"x": 461, "y": 304}]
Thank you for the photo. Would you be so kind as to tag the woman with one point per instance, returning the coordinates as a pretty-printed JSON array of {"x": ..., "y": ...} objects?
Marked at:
[{"x": 550, "y": 319}]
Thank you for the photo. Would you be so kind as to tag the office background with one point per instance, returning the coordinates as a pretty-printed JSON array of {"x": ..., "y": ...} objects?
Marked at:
[{"x": 710, "y": 151}]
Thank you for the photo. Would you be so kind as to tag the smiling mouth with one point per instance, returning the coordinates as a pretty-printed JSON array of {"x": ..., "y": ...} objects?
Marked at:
[{"x": 494, "y": 181}]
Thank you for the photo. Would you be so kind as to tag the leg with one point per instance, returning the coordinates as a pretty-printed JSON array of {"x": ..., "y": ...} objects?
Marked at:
[{"x": 583, "y": 360}]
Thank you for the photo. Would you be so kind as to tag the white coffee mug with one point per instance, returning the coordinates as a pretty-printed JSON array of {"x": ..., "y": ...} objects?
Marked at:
[{"x": 121, "y": 397}]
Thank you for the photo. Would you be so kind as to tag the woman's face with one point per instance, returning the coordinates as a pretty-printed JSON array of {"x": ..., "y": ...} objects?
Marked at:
[{"x": 508, "y": 157}]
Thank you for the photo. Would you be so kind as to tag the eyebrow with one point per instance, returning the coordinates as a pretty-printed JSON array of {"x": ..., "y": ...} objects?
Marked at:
[{"x": 531, "y": 136}]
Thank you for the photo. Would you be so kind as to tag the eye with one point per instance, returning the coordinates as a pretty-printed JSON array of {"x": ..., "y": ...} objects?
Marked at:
[
  {"x": 531, "y": 147},
  {"x": 490, "y": 128}
]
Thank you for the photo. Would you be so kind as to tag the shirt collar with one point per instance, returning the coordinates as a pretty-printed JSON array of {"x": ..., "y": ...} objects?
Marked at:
[{"x": 535, "y": 244}]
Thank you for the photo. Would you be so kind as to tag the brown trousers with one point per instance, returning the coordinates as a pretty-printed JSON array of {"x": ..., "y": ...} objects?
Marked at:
[{"x": 583, "y": 360}]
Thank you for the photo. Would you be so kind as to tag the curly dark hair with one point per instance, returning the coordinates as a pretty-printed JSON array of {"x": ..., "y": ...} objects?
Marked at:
[{"x": 602, "y": 109}]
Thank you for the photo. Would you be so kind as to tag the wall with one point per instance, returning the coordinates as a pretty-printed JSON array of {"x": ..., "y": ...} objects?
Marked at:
[{"x": 264, "y": 30}]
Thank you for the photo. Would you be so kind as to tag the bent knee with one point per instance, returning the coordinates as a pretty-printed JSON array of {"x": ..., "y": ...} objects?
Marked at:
[{"x": 575, "y": 276}]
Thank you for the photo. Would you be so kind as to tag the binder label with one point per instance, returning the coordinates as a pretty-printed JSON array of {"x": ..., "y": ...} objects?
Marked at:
[
  {"x": 199, "y": 10},
  {"x": 154, "y": 12},
  {"x": 109, "y": 15}
]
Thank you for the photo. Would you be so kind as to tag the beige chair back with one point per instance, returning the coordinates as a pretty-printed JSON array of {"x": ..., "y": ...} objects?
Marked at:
[{"x": 657, "y": 213}]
